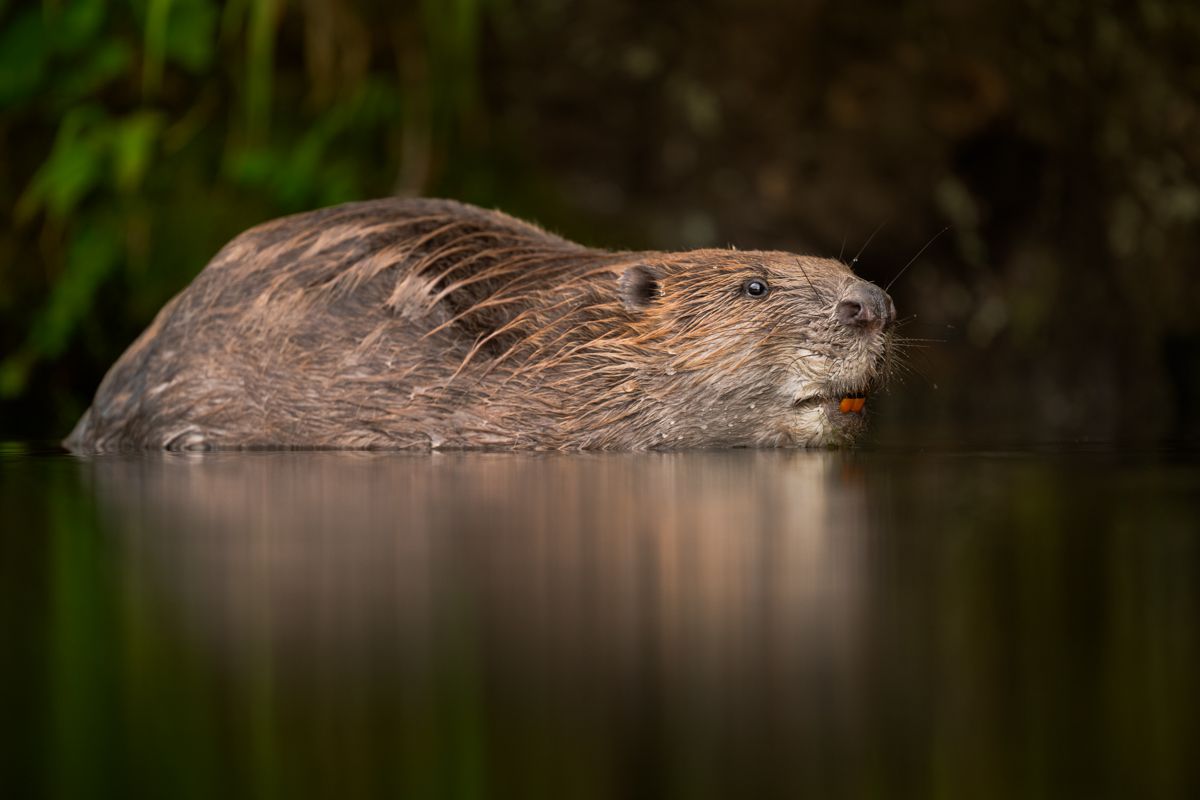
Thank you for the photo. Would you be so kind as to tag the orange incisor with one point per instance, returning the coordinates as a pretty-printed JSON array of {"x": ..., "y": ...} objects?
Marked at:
[{"x": 852, "y": 405}]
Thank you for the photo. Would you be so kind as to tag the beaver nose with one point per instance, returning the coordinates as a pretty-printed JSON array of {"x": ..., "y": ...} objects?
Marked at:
[{"x": 865, "y": 305}]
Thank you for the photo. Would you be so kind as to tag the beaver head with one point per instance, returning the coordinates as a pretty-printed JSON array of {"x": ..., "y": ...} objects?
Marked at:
[
  {"x": 746, "y": 348},
  {"x": 714, "y": 348}
]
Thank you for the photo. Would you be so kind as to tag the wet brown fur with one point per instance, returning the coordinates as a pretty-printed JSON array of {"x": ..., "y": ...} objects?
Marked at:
[{"x": 433, "y": 324}]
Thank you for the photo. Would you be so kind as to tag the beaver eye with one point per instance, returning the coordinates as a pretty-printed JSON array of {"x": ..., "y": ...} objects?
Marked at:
[{"x": 755, "y": 287}]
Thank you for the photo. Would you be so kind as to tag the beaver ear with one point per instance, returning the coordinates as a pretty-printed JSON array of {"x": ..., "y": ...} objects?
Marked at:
[{"x": 639, "y": 287}]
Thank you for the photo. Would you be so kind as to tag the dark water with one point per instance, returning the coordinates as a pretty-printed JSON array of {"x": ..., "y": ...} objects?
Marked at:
[{"x": 742, "y": 624}]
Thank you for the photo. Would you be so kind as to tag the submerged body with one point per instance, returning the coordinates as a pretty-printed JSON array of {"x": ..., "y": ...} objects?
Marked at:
[{"x": 434, "y": 324}]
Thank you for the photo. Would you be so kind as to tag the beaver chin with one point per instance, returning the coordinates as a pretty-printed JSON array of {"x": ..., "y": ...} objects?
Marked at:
[
  {"x": 832, "y": 410},
  {"x": 828, "y": 420}
]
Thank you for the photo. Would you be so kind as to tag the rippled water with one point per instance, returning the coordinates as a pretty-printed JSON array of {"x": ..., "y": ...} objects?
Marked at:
[{"x": 749, "y": 624}]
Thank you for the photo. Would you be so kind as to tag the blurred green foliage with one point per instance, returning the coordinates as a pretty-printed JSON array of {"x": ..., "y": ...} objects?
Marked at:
[{"x": 140, "y": 135}]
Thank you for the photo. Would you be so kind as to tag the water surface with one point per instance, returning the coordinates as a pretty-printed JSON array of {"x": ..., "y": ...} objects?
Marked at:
[{"x": 750, "y": 624}]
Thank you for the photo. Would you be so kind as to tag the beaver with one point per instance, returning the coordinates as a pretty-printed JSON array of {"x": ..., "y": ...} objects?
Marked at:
[{"x": 432, "y": 324}]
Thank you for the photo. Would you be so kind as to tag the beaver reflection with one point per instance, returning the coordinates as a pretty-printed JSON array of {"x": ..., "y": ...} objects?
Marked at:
[{"x": 336, "y": 558}]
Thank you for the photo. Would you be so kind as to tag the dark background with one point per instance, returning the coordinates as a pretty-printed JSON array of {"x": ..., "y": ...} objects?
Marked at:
[{"x": 1060, "y": 141}]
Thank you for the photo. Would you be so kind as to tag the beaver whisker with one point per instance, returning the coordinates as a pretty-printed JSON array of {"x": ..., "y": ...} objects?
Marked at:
[
  {"x": 933, "y": 239},
  {"x": 866, "y": 244},
  {"x": 900, "y": 338},
  {"x": 820, "y": 296}
]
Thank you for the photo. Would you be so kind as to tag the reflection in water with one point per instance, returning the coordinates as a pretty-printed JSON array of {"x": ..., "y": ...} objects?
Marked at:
[
  {"x": 704, "y": 624},
  {"x": 654, "y": 596},
  {"x": 322, "y": 554}
]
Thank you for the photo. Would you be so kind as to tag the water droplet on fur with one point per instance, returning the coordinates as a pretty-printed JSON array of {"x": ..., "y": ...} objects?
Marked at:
[
  {"x": 752, "y": 405},
  {"x": 670, "y": 370}
]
